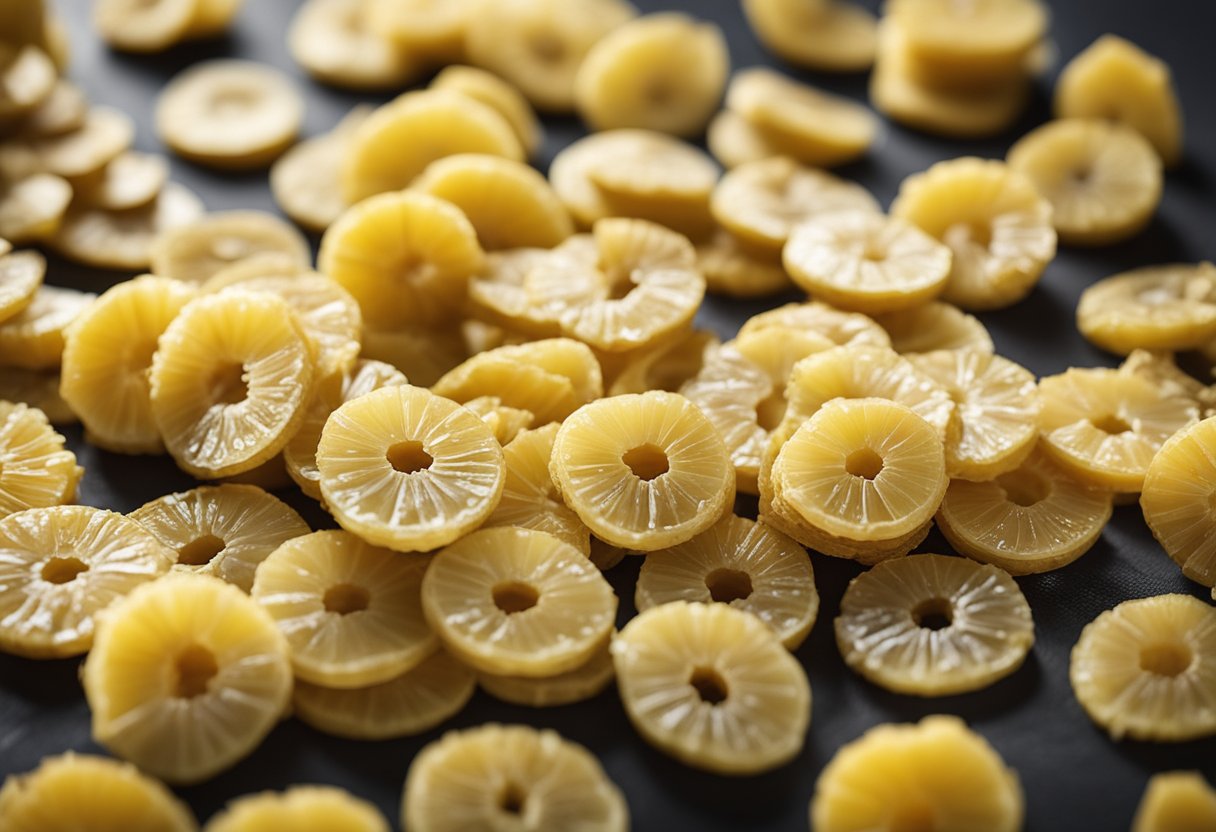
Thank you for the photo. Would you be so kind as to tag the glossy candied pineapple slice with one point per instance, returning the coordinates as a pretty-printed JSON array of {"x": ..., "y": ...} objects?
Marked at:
[
  {"x": 1171, "y": 307},
  {"x": 301, "y": 808},
  {"x": 129, "y": 181},
  {"x": 405, "y": 256},
  {"x": 1103, "y": 179},
  {"x": 231, "y": 380},
  {"x": 491, "y": 776},
  {"x": 731, "y": 269},
  {"x": 306, "y": 180},
  {"x": 662, "y": 72},
  {"x": 667, "y": 366},
  {"x": 992, "y": 218},
  {"x": 825, "y": 35},
  {"x": 1113, "y": 78},
  {"x": 935, "y": 326},
  {"x": 712, "y": 686},
  {"x": 78, "y": 791},
  {"x": 1143, "y": 669},
  {"x": 21, "y": 275},
  {"x": 32, "y": 207},
  {"x": 335, "y": 43},
  {"x": 186, "y": 677},
  {"x": 584, "y": 682},
  {"x": 409, "y": 470},
  {"x": 36, "y": 470},
  {"x": 224, "y": 530},
  {"x": 837, "y": 326},
  {"x": 1178, "y": 497},
  {"x": 497, "y": 295},
  {"x": 539, "y": 607},
  {"x": 196, "y": 252},
  {"x": 60, "y": 567},
  {"x": 1161, "y": 370},
  {"x": 971, "y": 44},
  {"x": 644, "y": 472},
  {"x": 493, "y": 91},
  {"x": 936, "y": 774},
  {"x": 1105, "y": 427},
  {"x": 33, "y": 338},
  {"x": 1176, "y": 801}
]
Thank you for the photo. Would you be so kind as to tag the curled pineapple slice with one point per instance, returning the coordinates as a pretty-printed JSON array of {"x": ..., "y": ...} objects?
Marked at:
[
  {"x": 21, "y": 276},
  {"x": 497, "y": 294},
  {"x": 335, "y": 43},
  {"x": 493, "y": 91},
  {"x": 301, "y": 808},
  {"x": 409, "y": 470},
  {"x": 712, "y": 686},
  {"x": 33, "y": 338},
  {"x": 1177, "y": 500},
  {"x": 935, "y": 326},
  {"x": 1143, "y": 670},
  {"x": 825, "y": 35},
  {"x": 32, "y": 207},
  {"x": 78, "y": 791},
  {"x": 196, "y": 252},
  {"x": 731, "y": 269},
  {"x": 992, "y": 218},
  {"x": 1170, "y": 307},
  {"x": 1176, "y": 801},
  {"x": 494, "y": 776},
  {"x": 936, "y": 774},
  {"x": 584, "y": 682},
  {"x": 539, "y": 607},
  {"x": 306, "y": 180},
  {"x": 224, "y": 530},
  {"x": 667, "y": 366},
  {"x": 734, "y": 141},
  {"x": 837, "y": 326}
]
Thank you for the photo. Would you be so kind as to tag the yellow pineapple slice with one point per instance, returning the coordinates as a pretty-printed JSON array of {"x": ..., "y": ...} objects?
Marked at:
[
  {"x": 107, "y": 357},
  {"x": 196, "y": 252},
  {"x": 1171, "y": 307},
  {"x": 1176, "y": 801},
  {"x": 105, "y": 135},
  {"x": 431, "y": 28},
  {"x": 1113, "y": 78},
  {"x": 837, "y": 326},
  {"x": 662, "y": 72},
  {"x": 37, "y": 389},
  {"x": 712, "y": 686},
  {"x": 1160, "y": 369},
  {"x": 418, "y": 700},
  {"x": 935, "y": 326},
  {"x": 1177, "y": 500},
  {"x": 405, "y": 256},
  {"x": 36, "y": 471},
  {"x": 497, "y": 295},
  {"x": 64, "y": 110},
  {"x": 1105, "y": 427},
  {"x": 335, "y": 43},
  {"x": 643, "y": 472},
  {"x": 1103, "y": 179},
  {"x": 666, "y": 367},
  {"x": 60, "y": 567},
  {"x": 489, "y": 89},
  {"x": 142, "y": 26},
  {"x": 824, "y": 35},
  {"x": 33, "y": 339},
  {"x": 306, "y": 181},
  {"x": 605, "y": 556},
  {"x": 424, "y": 354},
  {"x": 127, "y": 182},
  {"x": 584, "y": 682},
  {"x": 409, "y": 470},
  {"x": 21, "y": 275},
  {"x": 300, "y": 808},
  {"x": 733, "y": 270},
  {"x": 186, "y": 677},
  {"x": 734, "y": 141},
  {"x": 32, "y": 207},
  {"x": 1143, "y": 669},
  {"x": 28, "y": 75},
  {"x": 496, "y": 776},
  {"x": 80, "y": 791},
  {"x": 936, "y": 774},
  {"x": 992, "y": 218}
]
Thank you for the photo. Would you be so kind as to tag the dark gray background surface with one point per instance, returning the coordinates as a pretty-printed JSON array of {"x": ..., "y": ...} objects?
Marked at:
[{"x": 1074, "y": 777}]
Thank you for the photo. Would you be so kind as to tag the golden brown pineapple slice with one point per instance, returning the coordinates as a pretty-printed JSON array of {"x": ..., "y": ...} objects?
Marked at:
[
  {"x": 1177, "y": 500},
  {"x": 21, "y": 276},
  {"x": 196, "y": 252},
  {"x": 32, "y": 207},
  {"x": 1176, "y": 801},
  {"x": 335, "y": 43},
  {"x": 584, "y": 682},
  {"x": 935, "y": 326},
  {"x": 837, "y": 326},
  {"x": 33, "y": 338},
  {"x": 300, "y": 808},
  {"x": 824, "y": 35},
  {"x": 306, "y": 181},
  {"x": 1171, "y": 307},
  {"x": 733, "y": 270},
  {"x": 489, "y": 89}
]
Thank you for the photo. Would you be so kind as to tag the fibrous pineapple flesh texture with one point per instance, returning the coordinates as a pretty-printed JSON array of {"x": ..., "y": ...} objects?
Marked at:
[
  {"x": 825, "y": 35},
  {"x": 1176, "y": 801},
  {"x": 839, "y": 327},
  {"x": 224, "y": 530},
  {"x": 336, "y": 43},
  {"x": 538, "y": 607},
  {"x": 21, "y": 275},
  {"x": 1171, "y": 307},
  {"x": 712, "y": 686},
  {"x": 1144, "y": 670},
  {"x": 495, "y": 92},
  {"x": 503, "y": 776},
  {"x": 935, "y": 326},
  {"x": 60, "y": 567},
  {"x": 186, "y": 677},
  {"x": 643, "y": 472},
  {"x": 306, "y": 180},
  {"x": 936, "y": 774},
  {"x": 196, "y": 252},
  {"x": 36, "y": 470},
  {"x": 748, "y": 565},
  {"x": 302, "y": 809},
  {"x": 79, "y": 791},
  {"x": 33, "y": 338},
  {"x": 1177, "y": 500},
  {"x": 584, "y": 682}
]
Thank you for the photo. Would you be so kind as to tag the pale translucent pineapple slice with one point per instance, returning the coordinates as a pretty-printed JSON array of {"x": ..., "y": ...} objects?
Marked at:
[
  {"x": 1177, "y": 500},
  {"x": 493, "y": 91},
  {"x": 32, "y": 207},
  {"x": 37, "y": 389},
  {"x": 494, "y": 776},
  {"x": 1105, "y": 427},
  {"x": 60, "y": 567},
  {"x": 733, "y": 141},
  {"x": 662, "y": 72},
  {"x": 418, "y": 700},
  {"x": 825, "y": 35},
  {"x": 584, "y": 682},
  {"x": 336, "y": 43},
  {"x": 36, "y": 470},
  {"x": 1176, "y": 801},
  {"x": 302, "y": 809},
  {"x": 935, "y": 326},
  {"x": 196, "y": 252},
  {"x": 409, "y": 470},
  {"x": 1171, "y": 307},
  {"x": 643, "y": 472},
  {"x": 667, "y": 366},
  {"x": 143, "y": 26},
  {"x": 33, "y": 339},
  {"x": 21, "y": 275},
  {"x": 306, "y": 181},
  {"x": 837, "y": 326},
  {"x": 733, "y": 270},
  {"x": 127, "y": 182},
  {"x": 1103, "y": 179},
  {"x": 432, "y": 28},
  {"x": 81, "y": 791},
  {"x": 231, "y": 381},
  {"x": 712, "y": 686},
  {"x": 105, "y": 135},
  {"x": 936, "y": 774},
  {"x": 423, "y": 353},
  {"x": 1143, "y": 670},
  {"x": 225, "y": 530},
  {"x": 992, "y": 218},
  {"x": 28, "y": 78},
  {"x": 186, "y": 677}
]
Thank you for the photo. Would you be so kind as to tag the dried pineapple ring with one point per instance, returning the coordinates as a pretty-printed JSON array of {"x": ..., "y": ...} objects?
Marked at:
[
  {"x": 1169, "y": 307},
  {"x": 405, "y": 256},
  {"x": 21, "y": 275},
  {"x": 644, "y": 472},
  {"x": 1143, "y": 670},
  {"x": 73, "y": 791},
  {"x": 489, "y": 89},
  {"x": 584, "y": 682},
  {"x": 851, "y": 328},
  {"x": 32, "y": 208},
  {"x": 131, "y": 180},
  {"x": 800, "y": 121},
  {"x": 404, "y": 468},
  {"x": 414, "y": 702},
  {"x": 63, "y": 111},
  {"x": 935, "y": 326},
  {"x": 333, "y": 42},
  {"x": 1113, "y": 78},
  {"x": 731, "y": 269},
  {"x": 434, "y": 28},
  {"x": 1105, "y": 427},
  {"x": 224, "y": 531},
  {"x": 231, "y": 379},
  {"x": 761, "y": 202},
  {"x": 662, "y": 72},
  {"x": 105, "y": 135},
  {"x": 992, "y": 218},
  {"x": 27, "y": 79},
  {"x": 1177, "y": 500},
  {"x": 712, "y": 686},
  {"x": 422, "y": 353},
  {"x": 39, "y": 390},
  {"x": 509, "y": 204},
  {"x": 306, "y": 181},
  {"x": 497, "y": 295},
  {"x": 1176, "y": 801},
  {"x": 197, "y": 251},
  {"x": 1102, "y": 179},
  {"x": 300, "y": 808},
  {"x": 143, "y": 26},
  {"x": 186, "y": 677},
  {"x": 667, "y": 366},
  {"x": 488, "y": 777},
  {"x": 900, "y": 776},
  {"x": 733, "y": 141},
  {"x": 36, "y": 471},
  {"x": 505, "y": 422},
  {"x": 1160, "y": 369},
  {"x": 33, "y": 338},
  {"x": 827, "y": 36},
  {"x": 932, "y": 625}
]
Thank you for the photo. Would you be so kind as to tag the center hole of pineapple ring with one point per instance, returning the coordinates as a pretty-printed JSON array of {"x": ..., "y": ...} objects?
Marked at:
[
  {"x": 933, "y": 614},
  {"x": 512, "y": 798},
  {"x": 1110, "y": 423},
  {"x": 709, "y": 685},
  {"x": 200, "y": 551},
  {"x": 346, "y": 598},
  {"x": 514, "y": 596},
  {"x": 63, "y": 570},
  {"x": 647, "y": 462},
  {"x": 726, "y": 585},
  {"x": 771, "y": 410},
  {"x": 228, "y": 384},
  {"x": 196, "y": 667},
  {"x": 863, "y": 463},
  {"x": 1024, "y": 488},
  {"x": 1166, "y": 659},
  {"x": 409, "y": 457}
]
